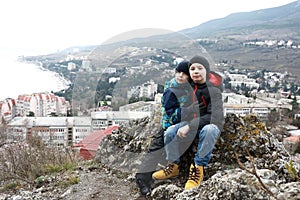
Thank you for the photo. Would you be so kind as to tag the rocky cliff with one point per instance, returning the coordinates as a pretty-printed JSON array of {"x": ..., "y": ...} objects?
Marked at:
[{"x": 248, "y": 162}]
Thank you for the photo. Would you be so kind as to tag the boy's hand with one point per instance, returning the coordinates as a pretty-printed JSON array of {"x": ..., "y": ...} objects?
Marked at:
[{"x": 183, "y": 131}]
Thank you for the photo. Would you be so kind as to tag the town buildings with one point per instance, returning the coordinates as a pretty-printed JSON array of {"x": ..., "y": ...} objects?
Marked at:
[
  {"x": 103, "y": 119},
  {"x": 241, "y": 79},
  {"x": 45, "y": 114},
  {"x": 241, "y": 105},
  {"x": 147, "y": 89},
  {"x": 67, "y": 131},
  {"x": 58, "y": 131},
  {"x": 37, "y": 104}
]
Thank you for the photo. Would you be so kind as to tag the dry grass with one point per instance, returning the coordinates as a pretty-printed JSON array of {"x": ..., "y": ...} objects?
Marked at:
[{"x": 25, "y": 162}]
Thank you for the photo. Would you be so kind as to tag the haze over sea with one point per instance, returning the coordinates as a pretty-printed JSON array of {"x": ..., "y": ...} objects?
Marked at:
[{"x": 22, "y": 78}]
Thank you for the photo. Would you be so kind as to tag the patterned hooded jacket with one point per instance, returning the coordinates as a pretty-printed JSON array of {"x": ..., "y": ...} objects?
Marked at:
[{"x": 174, "y": 98}]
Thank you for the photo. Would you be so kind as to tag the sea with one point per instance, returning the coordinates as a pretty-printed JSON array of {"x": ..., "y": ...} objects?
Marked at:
[{"x": 19, "y": 78}]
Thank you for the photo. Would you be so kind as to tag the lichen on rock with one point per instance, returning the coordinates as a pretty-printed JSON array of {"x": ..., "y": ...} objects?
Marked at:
[{"x": 241, "y": 138}]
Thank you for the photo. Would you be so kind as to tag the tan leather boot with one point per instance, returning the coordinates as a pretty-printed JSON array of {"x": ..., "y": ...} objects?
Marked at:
[
  {"x": 195, "y": 177},
  {"x": 169, "y": 171}
]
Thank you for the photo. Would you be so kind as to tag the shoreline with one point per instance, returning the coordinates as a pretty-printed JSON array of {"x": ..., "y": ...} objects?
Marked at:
[{"x": 33, "y": 78}]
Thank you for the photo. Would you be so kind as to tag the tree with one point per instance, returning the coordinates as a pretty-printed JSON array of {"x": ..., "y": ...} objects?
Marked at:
[
  {"x": 2, "y": 131},
  {"x": 295, "y": 105},
  {"x": 254, "y": 97},
  {"x": 69, "y": 113},
  {"x": 276, "y": 87},
  {"x": 53, "y": 114},
  {"x": 273, "y": 117},
  {"x": 296, "y": 122},
  {"x": 30, "y": 114}
]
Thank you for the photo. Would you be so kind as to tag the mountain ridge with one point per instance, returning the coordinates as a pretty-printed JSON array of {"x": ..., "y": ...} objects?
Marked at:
[
  {"x": 226, "y": 41},
  {"x": 278, "y": 15}
]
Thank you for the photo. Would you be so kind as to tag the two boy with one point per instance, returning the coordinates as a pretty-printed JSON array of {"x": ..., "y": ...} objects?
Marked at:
[{"x": 204, "y": 122}]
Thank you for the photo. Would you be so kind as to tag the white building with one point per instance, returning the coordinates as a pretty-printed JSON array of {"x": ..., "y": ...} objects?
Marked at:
[
  {"x": 140, "y": 106},
  {"x": 232, "y": 98},
  {"x": 239, "y": 79},
  {"x": 260, "y": 110},
  {"x": 71, "y": 66},
  {"x": 103, "y": 119},
  {"x": 113, "y": 79},
  {"x": 241, "y": 105},
  {"x": 7, "y": 109},
  {"x": 148, "y": 89},
  {"x": 110, "y": 70},
  {"x": 59, "y": 131},
  {"x": 41, "y": 104},
  {"x": 86, "y": 64}
]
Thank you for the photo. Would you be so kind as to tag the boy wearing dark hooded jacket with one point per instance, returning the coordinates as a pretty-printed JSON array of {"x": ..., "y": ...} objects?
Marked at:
[{"x": 174, "y": 98}]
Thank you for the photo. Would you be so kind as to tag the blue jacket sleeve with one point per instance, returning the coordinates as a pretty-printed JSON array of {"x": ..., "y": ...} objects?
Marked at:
[{"x": 171, "y": 106}]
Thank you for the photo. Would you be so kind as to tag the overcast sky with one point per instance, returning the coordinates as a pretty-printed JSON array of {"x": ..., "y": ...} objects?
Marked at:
[{"x": 40, "y": 26}]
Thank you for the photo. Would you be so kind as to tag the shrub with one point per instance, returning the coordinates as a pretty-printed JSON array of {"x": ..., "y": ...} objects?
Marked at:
[{"x": 28, "y": 161}]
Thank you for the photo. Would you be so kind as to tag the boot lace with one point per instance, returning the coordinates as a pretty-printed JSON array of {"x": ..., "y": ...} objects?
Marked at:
[
  {"x": 194, "y": 174},
  {"x": 168, "y": 170}
]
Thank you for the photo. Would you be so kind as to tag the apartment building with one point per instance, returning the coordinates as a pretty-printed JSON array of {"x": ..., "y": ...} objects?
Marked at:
[
  {"x": 147, "y": 89},
  {"x": 58, "y": 131},
  {"x": 101, "y": 120},
  {"x": 140, "y": 106},
  {"x": 40, "y": 104},
  {"x": 67, "y": 131},
  {"x": 240, "y": 79},
  {"x": 241, "y": 105},
  {"x": 261, "y": 110},
  {"x": 7, "y": 110}
]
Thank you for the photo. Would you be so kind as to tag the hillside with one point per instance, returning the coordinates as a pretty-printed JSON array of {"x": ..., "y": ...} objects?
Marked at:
[
  {"x": 280, "y": 23},
  {"x": 248, "y": 162},
  {"x": 223, "y": 39}
]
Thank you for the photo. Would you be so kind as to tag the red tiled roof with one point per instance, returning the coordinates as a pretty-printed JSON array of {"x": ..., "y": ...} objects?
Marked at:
[
  {"x": 63, "y": 100},
  {"x": 89, "y": 145},
  {"x": 27, "y": 99},
  {"x": 21, "y": 97},
  {"x": 293, "y": 139}
]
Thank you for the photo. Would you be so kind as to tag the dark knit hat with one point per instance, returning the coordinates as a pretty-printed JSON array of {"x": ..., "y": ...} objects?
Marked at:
[
  {"x": 201, "y": 60},
  {"x": 183, "y": 66}
]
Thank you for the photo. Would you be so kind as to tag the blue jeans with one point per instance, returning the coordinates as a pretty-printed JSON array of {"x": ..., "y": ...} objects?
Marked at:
[{"x": 176, "y": 146}]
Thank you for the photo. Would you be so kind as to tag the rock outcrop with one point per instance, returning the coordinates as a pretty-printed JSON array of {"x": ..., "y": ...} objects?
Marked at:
[{"x": 248, "y": 162}]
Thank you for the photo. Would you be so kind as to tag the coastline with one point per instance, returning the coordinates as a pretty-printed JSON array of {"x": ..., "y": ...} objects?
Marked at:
[{"x": 27, "y": 78}]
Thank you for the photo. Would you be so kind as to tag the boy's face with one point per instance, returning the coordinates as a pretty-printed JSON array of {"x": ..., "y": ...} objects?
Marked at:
[
  {"x": 198, "y": 73},
  {"x": 181, "y": 77}
]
